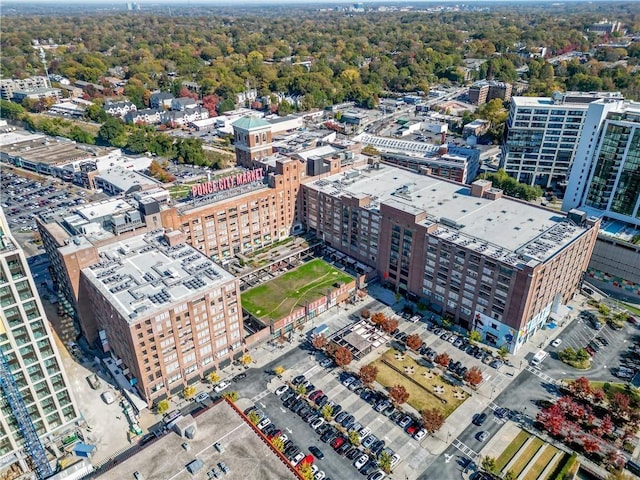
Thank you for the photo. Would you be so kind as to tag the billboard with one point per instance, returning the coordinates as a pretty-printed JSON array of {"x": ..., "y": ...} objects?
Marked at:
[{"x": 227, "y": 183}]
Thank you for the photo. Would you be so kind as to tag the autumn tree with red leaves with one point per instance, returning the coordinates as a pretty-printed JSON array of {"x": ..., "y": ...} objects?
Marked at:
[
  {"x": 432, "y": 420},
  {"x": 368, "y": 374},
  {"x": 443, "y": 359},
  {"x": 473, "y": 376},
  {"x": 342, "y": 356},
  {"x": 580, "y": 388},
  {"x": 210, "y": 103},
  {"x": 319, "y": 342},
  {"x": 185, "y": 92},
  {"x": 398, "y": 394},
  {"x": 414, "y": 342},
  {"x": 389, "y": 325},
  {"x": 378, "y": 318}
]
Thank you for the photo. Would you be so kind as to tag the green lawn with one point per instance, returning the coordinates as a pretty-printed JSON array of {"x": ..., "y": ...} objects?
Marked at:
[
  {"x": 541, "y": 463},
  {"x": 508, "y": 453},
  {"x": 420, "y": 396},
  {"x": 279, "y": 297},
  {"x": 526, "y": 455}
]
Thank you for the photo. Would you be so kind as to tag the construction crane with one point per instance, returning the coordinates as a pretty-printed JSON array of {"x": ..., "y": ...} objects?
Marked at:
[{"x": 34, "y": 447}]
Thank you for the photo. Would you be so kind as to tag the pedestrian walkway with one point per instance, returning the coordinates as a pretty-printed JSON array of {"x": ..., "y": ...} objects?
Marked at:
[
  {"x": 542, "y": 375},
  {"x": 472, "y": 454}
]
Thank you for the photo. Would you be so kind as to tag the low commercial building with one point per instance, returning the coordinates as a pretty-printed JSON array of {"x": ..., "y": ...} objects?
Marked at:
[
  {"x": 178, "y": 457},
  {"x": 490, "y": 263},
  {"x": 165, "y": 312},
  {"x": 8, "y": 86},
  {"x": 37, "y": 94}
]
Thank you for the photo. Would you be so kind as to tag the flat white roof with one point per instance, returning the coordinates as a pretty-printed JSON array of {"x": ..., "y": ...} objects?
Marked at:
[
  {"x": 504, "y": 228},
  {"x": 124, "y": 178},
  {"x": 143, "y": 274}
]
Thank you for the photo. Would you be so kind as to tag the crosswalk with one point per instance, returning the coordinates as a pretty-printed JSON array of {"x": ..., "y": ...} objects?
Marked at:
[
  {"x": 465, "y": 449},
  {"x": 260, "y": 396},
  {"x": 543, "y": 376}
]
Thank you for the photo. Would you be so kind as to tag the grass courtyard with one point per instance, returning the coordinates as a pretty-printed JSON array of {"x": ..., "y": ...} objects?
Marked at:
[
  {"x": 282, "y": 295},
  {"x": 420, "y": 384},
  {"x": 521, "y": 453}
]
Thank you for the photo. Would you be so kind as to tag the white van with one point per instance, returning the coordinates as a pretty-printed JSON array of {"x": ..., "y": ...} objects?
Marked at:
[{"x": 538, "y": 358}]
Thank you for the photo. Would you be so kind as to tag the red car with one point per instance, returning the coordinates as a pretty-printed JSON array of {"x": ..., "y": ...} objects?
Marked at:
[
  {"x": 337, "y": 442},
  {"x": 590, "y": 350},
  {"x": 413, "y": 428},
  {"x": 315, "y": 395},
  {"x": 632, "y": 320},
  {"x": 275, "y": 434}
]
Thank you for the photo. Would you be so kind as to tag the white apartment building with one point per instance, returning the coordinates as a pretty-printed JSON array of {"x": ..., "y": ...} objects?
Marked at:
[
  {"x": 542, "y": 135},
  {"x": 35, "y": 394}
]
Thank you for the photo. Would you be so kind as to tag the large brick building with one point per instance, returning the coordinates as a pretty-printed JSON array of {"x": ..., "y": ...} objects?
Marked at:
[{"x": 490, "y": 263}]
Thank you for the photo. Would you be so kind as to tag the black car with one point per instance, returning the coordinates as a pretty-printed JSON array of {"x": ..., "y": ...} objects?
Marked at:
[
  {"x": 298, "y": 380},
  {"x": 329, "y": 435},
  {"x": 377, "y": 447},
  {"x": 240, "y": 376},
  {"x": 322, "y": 400},
  {"x": 354, "y": 453},
  {"x": 316, "y": 452},
  {"x": 342, "y": 449},
  {"x": 479, "y": 419}
]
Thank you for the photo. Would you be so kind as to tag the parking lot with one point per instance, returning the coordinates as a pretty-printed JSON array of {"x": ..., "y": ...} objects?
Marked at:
[
  {"x": 613, "y": 350},
  {"x": 23, "y": 198}
]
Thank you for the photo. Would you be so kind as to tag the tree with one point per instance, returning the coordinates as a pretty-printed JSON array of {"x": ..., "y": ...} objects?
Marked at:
[
  {"x": 443, "y": 359},
  {"x": 246, "y": 359},
  {"x": 414, "y": 342},
  {"x": 389, "y": 325},
  {"x": 232, "y": 396},
  {"x": 226, "y": 105},
  {"x": 327, "y": 412},
  {"x": 11, "y": 110},
  {"x": 342, "y": 356},
  {"x": 305, "y": 471},
  {"x": 319, "y": 342},
  {"x": 213, "y": 377},
  {"x": 590, "y": 444},
  {"x": 384, "y": 462},
  {"x": 354, "y": 438},
  {"x": 620, "y": 402},
  {"x": 301, "y": 389},
  {"x": 163, "y": 406},
  {"x": 210, "y": 103},
  {"x": 189, "y": 392},
  {"x": 278, "y": 443},
  {"x": 475, "y": 336},
  {"x": 473, "y": 376},
  {"x": 112, "y": 133},
  {"x": 503, "y": 351},
  {"x": 365, "y": 313},
  {"x": 509, "y": 475},
  {"x": 96, "y": 113},
  {"x": 368, "y": 374},
  {"x": 580, "y": 387},
  {"x": 398, "y": 394},
  {"x": 488, "y": 464},
  {"x": 378, "y": 318},
  {"x": 432, "y": 420},
  {"x": 279, "y": 370},
  {"x": 82, "y": 136},
  {"x": 253, "y": 417}
]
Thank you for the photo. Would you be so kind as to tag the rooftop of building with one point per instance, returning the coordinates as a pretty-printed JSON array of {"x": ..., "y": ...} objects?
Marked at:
[
  {"x": 397, "y": 145},
  {"x": 513, "y": 231},
  {"x": 126, "y": 179},
  {"x": 143, "y": 274},
  {"x": 579, "y": 100},
  {"x": 245, "y": 454},
  {"x": 48, "y": 150},
  {"x": 251, "y": 122}
]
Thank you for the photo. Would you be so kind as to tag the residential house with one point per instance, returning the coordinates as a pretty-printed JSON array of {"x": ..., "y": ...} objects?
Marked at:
[
  {"x": 149, "y": 116},
  {"x": 184, "y": 117},
  {"x": 161, "y": 100},
  {"x": 183, "y": 103},
  {"x": 119, "y": 109}
]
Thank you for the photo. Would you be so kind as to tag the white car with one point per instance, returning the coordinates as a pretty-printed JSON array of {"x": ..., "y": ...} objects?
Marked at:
[
  {"x": 263, "y": 423},
  {"x": 556, "y": 342},
  {"x": 221, "y": 386},
  {"x": 364, "y": 433},
  {"x": 201, "y": 397},
  {"x": 395, "y": 459},
  {"x": 297, "y": 459},
  {"x": 316, "y": 423},
  {"x": 319, "y": 476},
  {"x": 314, "y": 469},
  {"x": 281, "y": 389},
  {"x": 420, "y": 434},
  {"x": 361, "y": 461}
]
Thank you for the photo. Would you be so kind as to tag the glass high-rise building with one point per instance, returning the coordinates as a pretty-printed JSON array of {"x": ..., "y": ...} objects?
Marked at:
[
  {"x": 39, "y": 389},
  {"x": 605, "y": 179}
]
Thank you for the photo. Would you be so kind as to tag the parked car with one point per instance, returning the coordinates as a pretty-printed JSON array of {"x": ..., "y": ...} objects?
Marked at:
[
  {"x": 361, "y": 461},
  {"x": 479, "y": 419},
  {"x": 420, "y": 434},
  {"x": 377, "y": 475},
  {"x": 316, "y": 452},
  {"x": 221, "y": 386},
  {"x": 298, "y": 380},
  {"x": 281, "y": 390},
  {"x": 482, "y": 436},
  {"x": 201, "y": 397}
]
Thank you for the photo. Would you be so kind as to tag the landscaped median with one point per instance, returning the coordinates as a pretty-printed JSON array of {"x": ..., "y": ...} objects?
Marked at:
[{"x": 426, "y": 388}]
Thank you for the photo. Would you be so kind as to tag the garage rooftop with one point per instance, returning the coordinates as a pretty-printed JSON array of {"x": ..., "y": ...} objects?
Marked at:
[{"x": 246, "y": 455}]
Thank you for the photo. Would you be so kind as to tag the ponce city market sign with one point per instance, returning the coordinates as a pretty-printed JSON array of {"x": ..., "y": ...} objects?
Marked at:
[{"x": 227, "y": 183}]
